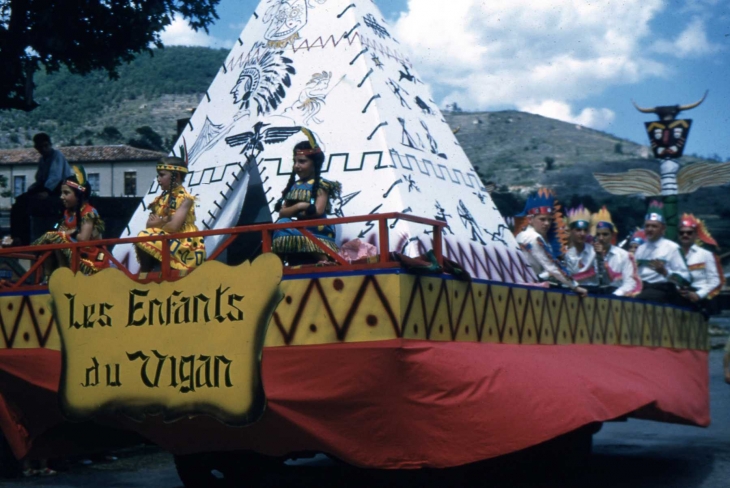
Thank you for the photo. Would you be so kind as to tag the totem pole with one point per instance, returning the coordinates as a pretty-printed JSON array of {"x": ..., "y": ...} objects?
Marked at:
[{"x": 668, "y": 136}]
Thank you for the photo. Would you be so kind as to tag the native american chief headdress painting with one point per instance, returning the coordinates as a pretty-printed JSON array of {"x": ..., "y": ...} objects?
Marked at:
[{"x": 668, "y": 136}]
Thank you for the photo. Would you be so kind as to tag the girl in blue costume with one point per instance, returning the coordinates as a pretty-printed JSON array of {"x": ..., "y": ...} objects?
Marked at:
[{"x": 307, "y": 196}]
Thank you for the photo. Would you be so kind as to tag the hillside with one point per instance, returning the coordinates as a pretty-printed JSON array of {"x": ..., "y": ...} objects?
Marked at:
[
  {"x": 517, "y": 151},
  {"x": 151, "y": 91}
]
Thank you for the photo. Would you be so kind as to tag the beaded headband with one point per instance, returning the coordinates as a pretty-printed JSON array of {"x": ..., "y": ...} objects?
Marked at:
[
  {"x": 307, "y": 152},
  {"x": 172, "y": 167},
  {"x": 75, "y": 185},
  {"x": 579, "y": 224}
]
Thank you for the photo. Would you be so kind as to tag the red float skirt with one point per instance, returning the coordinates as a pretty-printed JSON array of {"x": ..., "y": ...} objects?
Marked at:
[{"x": 405, "y": 403}]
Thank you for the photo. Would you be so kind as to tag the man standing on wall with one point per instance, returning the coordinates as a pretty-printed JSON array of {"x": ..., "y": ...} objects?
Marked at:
[{"x": 41, "y": 198}]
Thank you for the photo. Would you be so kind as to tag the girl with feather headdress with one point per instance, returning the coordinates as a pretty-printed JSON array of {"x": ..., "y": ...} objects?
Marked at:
[
  {"x": 81, "y": 222},
  {"x": 172, "y": 212},
  {"x": 307, "y": 196}
]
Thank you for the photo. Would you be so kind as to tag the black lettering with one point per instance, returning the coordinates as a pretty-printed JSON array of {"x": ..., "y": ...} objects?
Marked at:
[
  {"x": 89, "y": 311},
  {"x": 216, "y": 371},
  {"x": 185, "y": 308},
  {"x": 203, "y": 368},
  {"x": 173, "y": 371},
  {"x": 134, "y": 307},
  {"x": 104, "y": 319},
  {"x": 116, "y": 381},
  {"x": 72, "y": 311},
  {"x": 92, "y": 370},
  {"x": 218, "y": 295},
  {"x": 187, "y": 376},
  {"x": 160, "y": 363},
  {"x": 143, "y": 370},
  {"x": 239, "y": 316},
  {"x": 151, "y": 315},
  {"x": 170, "y": 304},
  {"x": 196, "y": 300}
]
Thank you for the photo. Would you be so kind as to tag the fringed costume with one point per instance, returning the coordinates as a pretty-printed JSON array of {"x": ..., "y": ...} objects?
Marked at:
[
  {"x": 288, "y": 241},
  {"x": 185, "y": 253},
  {"x": 91, "y": 258}
]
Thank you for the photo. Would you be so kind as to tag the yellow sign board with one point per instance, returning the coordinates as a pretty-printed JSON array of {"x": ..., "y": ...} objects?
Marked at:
[{"x": 181, "y": 348}]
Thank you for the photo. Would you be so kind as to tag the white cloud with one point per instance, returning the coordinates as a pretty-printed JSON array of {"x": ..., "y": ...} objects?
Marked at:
[
  {"x": 526, "y": 53},
  {"x": 690, "y": 42},
  {"x": 179, "y": 33},
  {"x": 597, "y": 118}
]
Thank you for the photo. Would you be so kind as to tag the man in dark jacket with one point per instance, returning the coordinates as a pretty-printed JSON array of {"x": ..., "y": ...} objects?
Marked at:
[{"x": 40, "y": 201}]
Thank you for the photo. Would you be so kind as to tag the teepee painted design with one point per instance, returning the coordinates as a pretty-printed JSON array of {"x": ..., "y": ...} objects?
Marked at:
[{"x": 334, "y": 67}]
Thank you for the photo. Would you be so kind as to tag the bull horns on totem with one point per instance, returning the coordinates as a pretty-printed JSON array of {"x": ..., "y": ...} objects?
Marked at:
[{"x": 669, "y": 112}]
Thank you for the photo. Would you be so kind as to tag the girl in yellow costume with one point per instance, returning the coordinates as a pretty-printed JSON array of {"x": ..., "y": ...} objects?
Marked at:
[
  {"x": 171, "y": 213},
  {"x": 75, "y": 192}
]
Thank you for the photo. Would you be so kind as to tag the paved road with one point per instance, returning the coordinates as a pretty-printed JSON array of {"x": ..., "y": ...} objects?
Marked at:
[{"x": 636, "y": 454}]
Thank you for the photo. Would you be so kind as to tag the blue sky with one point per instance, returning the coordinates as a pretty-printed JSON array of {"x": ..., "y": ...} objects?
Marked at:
[{"x": 567, "y": 59}]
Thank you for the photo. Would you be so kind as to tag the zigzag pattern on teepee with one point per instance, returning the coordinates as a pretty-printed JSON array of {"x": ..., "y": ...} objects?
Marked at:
[{"x": 335, "y": 68}]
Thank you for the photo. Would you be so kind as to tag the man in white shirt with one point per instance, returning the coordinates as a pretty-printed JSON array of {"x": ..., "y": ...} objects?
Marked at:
[
  {"x": 540, "y": 243},
  {"x": 617, "y": 274},
  {"x": 660, "y": 262},
  {"x": 581, "y": 259},
  {"x": 704, "y": 267}
]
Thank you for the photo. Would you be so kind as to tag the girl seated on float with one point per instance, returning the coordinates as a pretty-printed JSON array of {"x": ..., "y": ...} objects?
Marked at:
[
  {"x": 75, "y": 192},
  {"x": 307, "y": 196},
  {"x": 172, "y": 212}
]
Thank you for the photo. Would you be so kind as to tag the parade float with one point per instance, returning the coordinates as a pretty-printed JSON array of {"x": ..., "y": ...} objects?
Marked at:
[{"x": 387, "y": 361}]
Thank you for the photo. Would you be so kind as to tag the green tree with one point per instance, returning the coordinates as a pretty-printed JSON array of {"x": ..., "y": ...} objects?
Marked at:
[
  {"x": 83, "y": 35},
  {"x": 149, "y": 139}
]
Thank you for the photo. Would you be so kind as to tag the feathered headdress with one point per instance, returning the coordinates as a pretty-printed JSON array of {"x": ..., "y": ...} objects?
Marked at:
[
  {"x": 689, "y": 220},
  {"x": 79, "y": 181},
  {"x": 544, "y": 202},
  {"x": 579, "y": 217},
  {"x": 655, "y": 212},
  {"x": 312, "y": 142},
  {"x": 602, "y": 220},
  {"x": 638, "y": 237}
]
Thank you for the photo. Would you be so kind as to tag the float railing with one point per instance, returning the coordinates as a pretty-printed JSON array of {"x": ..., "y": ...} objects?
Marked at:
[{"x": 32, "y": 279}]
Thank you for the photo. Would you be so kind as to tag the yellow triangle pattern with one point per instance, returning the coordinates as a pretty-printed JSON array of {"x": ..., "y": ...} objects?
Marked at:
[{"x": 356, "y": 308}]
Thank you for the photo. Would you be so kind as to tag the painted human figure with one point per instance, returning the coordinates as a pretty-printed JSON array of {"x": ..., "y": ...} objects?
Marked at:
[
  {"x": 468, "y": 220},
  {"x": 170, "y": 213},
  {"x": 81, "y": 222},
  {"x": 307, "y": 196}
]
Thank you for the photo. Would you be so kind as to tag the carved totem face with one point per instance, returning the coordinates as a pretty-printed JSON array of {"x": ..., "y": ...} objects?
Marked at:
[{"x": 668, "y": 138}]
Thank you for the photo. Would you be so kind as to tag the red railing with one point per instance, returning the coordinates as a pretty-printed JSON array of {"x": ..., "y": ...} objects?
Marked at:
[{"x": 39, "y": 254}]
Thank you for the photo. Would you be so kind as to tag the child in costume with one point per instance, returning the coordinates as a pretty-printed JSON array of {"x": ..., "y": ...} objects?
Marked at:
[
  {"x": 171, "y": 213},
  {"x": 541, "y": 240},
  {"x": 75, "y": 192},
  {"x": 307, "y": 196}
]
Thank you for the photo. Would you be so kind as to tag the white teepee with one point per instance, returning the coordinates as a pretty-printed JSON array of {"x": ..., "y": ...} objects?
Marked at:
[{"x": 334, "y": 67}]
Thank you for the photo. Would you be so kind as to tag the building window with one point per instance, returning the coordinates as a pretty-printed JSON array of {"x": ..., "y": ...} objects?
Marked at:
[
  {"x": 94, "y": 182},
  {"x": 130, "y": 183},
  {"x": 18, "y": 185}
]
